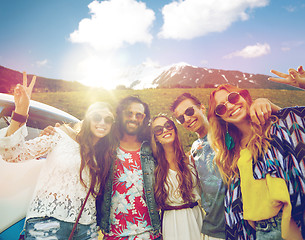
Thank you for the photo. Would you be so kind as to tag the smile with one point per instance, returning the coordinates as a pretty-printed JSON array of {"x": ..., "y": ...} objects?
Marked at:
[
  {"x": 236, "y": 111},
  {"x": 192, "y": 124},
  {"x": 167, "y": 135},
  {"x": 101, "y": 129}
]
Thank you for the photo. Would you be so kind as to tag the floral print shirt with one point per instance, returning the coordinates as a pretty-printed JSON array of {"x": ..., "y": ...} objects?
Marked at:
[{"x": 129, "y": 217}]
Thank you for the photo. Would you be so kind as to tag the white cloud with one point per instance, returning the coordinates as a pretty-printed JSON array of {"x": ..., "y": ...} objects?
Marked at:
[
  {"x": 42, "y": 63},
  {"x": 150, "y": 63},
  {"x": 113, "y": 23},
  {"x": 253, "y": 51},
  {"x": 188, "y": 19},
  {"x": 291, "y": 8}
]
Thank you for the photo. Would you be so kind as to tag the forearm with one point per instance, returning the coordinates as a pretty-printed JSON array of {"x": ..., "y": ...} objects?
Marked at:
[
  {"x": 274, "y": 108},
  {"x": 15, "y": 124}
]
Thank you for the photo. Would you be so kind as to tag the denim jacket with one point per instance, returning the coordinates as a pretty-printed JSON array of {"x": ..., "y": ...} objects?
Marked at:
[{"x": 103, "y": 204}]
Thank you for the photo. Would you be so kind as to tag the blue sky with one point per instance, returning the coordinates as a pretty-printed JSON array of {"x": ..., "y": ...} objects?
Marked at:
[{"x": 94, "y": 42}]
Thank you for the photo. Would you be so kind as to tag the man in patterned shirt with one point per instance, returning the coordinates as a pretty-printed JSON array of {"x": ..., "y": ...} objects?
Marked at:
[
  {"x": 127, "y": 209},
  {"x": 190, "y": 113}
]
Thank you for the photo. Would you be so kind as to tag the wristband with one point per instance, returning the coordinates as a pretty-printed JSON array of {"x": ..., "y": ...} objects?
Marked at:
[{"x": 19, "y": 118}]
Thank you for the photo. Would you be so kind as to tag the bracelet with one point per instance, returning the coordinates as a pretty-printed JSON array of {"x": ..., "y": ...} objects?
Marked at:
[{"x": 18, "y": 117}]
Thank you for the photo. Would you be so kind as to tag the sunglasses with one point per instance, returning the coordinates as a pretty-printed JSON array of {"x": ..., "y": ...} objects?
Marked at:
[
  {"x": 232, "y": 98},
  {"x": 139, "y": 116},
  {"x": 188, "y": 112},
  {"x": 158, "y": 130},
  {"x": 98, "y": 118}
]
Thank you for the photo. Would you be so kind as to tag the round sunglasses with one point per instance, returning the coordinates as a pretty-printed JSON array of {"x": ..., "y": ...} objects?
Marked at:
[
  {"x": 97, "y": 118},
  {"x": 138, "y": 115},
  {"x": 188, "y": 112},
  {"x": 158, "y": 130},
  {"x": 232, "y": 98}
]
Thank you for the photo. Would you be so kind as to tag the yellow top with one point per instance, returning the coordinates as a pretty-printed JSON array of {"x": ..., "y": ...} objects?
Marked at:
[{"x": 264, "y": 198}]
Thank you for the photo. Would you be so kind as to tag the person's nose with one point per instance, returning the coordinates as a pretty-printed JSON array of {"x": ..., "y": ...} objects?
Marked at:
[
  {"x": 230, "y": 105},
  {"x": 187, "y": 118},
  {"x": 102, "y": 121},
  {"x": 133, "y": 117}
]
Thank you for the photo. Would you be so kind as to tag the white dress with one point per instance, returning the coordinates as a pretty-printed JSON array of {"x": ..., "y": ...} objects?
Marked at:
[
  {"x": 183, "y": 224},
  {"x": 58, "y": 192}
]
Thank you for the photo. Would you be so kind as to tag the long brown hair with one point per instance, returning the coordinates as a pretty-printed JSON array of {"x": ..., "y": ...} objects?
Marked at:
[
  {"x": 97, "y": 158},
  {"x": 184, "y": 174},
  {"x": 225, "y": 159}
]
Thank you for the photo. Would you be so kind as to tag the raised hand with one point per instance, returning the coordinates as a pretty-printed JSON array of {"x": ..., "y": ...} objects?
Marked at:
[
  {"x": 22, "y": 95},
  {"x": 295, "y": 78},
  {"x": 261, "y": 110}
]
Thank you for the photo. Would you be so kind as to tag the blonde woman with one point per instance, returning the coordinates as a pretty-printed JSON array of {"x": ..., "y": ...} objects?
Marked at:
[{"x": 262, "y": 165}]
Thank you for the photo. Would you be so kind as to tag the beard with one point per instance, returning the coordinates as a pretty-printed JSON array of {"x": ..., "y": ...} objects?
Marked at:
[{"x": 131, "y": 130}]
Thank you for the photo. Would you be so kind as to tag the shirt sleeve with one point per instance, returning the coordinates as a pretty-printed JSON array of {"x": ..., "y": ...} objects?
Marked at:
[{"x": 15, "y": 149}]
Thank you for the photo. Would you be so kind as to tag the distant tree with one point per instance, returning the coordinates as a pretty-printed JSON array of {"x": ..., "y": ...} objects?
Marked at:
[
  {"x": 121, "y": 87},
  {"x": 134, "y": 83}
]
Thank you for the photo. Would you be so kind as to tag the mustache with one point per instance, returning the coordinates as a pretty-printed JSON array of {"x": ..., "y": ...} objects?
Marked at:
[{"x": 131, "y": 121}]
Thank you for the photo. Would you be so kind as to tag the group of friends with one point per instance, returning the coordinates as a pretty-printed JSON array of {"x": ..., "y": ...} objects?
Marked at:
[{"x": 244, "y": 177}]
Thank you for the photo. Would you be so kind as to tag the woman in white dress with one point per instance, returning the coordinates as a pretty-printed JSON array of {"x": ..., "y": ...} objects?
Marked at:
[
  {"x": 176, "y": 184},
  {"x": 75, "y": 164}
]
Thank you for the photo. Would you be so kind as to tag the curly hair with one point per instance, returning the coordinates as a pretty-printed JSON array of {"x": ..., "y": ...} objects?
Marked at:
[
  {"x": 225, "y": 159},
  {"x": 184, "y": 174},
  {"x": 144, "y": 133}
]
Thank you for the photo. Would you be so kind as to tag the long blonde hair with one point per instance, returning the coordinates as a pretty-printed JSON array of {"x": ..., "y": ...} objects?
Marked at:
[{"x": 226, "y": 160}]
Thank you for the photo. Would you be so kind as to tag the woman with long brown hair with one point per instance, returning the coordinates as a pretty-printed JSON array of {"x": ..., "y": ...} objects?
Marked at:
[
  {"x": 262, "y": 165},
  {"x": 176, "y": 183},
  {"x": 76, "y": 165}
]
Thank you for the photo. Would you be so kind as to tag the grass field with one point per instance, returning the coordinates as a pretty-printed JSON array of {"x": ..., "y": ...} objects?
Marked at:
[{"x": 158, "y": 100}]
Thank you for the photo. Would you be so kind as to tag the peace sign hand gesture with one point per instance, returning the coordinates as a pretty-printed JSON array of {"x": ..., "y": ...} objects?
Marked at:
[
  {"x": 295, "y": 78},
  {"x": 22, "y": 95}
]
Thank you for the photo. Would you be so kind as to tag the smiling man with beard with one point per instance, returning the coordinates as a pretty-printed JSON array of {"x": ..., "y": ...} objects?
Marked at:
[{"x": 128, "y": 207}]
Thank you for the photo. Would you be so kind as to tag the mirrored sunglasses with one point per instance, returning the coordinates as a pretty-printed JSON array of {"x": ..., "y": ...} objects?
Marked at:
[
  {"x": 188, "y": 112},
  {"x": 98, "y": 118},
  {"x": 232, "y": 98},
  {"x": 158, "y": 130}
]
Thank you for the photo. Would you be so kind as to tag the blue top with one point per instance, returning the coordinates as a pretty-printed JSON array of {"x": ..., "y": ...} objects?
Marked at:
[{"x": 213, "y": 189}]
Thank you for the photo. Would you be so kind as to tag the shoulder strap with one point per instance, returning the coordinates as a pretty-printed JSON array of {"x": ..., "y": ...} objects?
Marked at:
[{"x": 78, "y": 217}]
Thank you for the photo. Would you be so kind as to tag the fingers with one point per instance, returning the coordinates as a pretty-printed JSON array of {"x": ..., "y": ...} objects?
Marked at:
[
  {"x": 32, "y": 83},
  {"x": 254, "y": 118},
  {"x": 49, "y": 130},
  {"x": 301, "y": 71},
  {"x": 17, "y": 90},
  {"x": 280, "y": 74},
  {"x": 57, "y": 124},
  {"x": 25, "y": 79},
  {"x": 260, "y": 111}
]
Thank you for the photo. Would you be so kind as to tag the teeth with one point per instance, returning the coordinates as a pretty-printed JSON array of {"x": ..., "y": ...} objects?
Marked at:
[
  {"x": 166, "y": 135},
  {"x": 192, "y": 124},
  {"x": 236, "y": 111}
]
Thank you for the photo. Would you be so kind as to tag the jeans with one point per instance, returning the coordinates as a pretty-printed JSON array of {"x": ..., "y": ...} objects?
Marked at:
[
  {"x": 51, "y": 228},
  {"x": 269, "y": 229}
]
